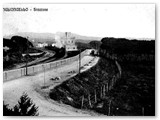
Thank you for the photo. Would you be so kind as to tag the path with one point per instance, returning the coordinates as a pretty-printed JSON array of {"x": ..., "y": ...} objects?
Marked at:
[{"x": 12, "y": 90}]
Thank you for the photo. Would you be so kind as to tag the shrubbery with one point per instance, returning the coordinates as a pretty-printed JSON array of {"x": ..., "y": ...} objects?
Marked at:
[
  {"x": 90, "y": 88},
  {"x": 25, "y": 107}
]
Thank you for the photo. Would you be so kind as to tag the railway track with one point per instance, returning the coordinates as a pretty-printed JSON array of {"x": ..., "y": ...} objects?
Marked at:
[{"x": 46, "y": 60}]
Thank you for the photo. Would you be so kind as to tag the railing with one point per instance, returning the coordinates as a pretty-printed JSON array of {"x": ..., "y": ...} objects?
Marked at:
[{"x": 13, "y": 74}]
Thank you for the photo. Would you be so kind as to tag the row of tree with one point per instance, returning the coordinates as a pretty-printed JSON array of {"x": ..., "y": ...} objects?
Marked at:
[{"x": 128, "y": 50}]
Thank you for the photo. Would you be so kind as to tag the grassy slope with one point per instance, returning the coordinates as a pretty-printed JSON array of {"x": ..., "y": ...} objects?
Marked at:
[
  {"x": 71, "y": 91},
  {"x": 134, "y": 94}
]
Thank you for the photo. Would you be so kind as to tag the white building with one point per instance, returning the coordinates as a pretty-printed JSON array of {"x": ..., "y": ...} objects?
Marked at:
[
  {"x": 66, "y": 41},
  {"x": 53, "y": 44},
  {"x": 42, "y": 44}
]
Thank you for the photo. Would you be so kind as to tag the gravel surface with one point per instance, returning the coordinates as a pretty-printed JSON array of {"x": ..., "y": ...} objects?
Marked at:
[{"x": 32, "y": 85}]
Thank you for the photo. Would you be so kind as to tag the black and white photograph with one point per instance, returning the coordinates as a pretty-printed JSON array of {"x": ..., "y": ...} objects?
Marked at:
[{"x": 79, "y": 59}]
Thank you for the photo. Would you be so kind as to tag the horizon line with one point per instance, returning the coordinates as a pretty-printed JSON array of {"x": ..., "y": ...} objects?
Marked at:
[{"x": 130, "y": 38}]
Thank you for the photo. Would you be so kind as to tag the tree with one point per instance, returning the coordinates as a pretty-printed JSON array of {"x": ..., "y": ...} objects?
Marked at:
[
  {"x": 6, "y": 110},
  {"x": 92, "y": 53},
  {"x": 25, "y": 107}
]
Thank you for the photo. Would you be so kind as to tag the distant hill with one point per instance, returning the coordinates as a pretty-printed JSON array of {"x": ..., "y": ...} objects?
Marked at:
[
  {"x": 88, "y": 38},
  {"x": 44, "y": 37},
  {"x": 37, "y": 37}
]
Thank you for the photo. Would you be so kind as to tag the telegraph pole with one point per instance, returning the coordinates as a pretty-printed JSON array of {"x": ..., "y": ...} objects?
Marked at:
[
  {"x": 79, "y": 61},
  {"x": 44, "y": 74},
  {"x": 27, "y": 57}
]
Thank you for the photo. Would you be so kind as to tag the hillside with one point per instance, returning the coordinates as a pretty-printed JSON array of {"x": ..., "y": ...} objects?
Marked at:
[
  {"x": 44, "y": 37},
  {"x": 102, "y": 90},
  {"x": 136, "y": 89},
  {"x": 128, "y": 50},
  {"x": 90, "y": 89},
  {"x": 16, "y": 46}
]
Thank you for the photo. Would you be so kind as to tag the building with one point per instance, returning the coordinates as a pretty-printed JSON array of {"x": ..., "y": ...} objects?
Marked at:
[
  {"x": 67, "y": 41},
  {"x": 53, "y": 44},
  {"x": 42, "y": 44}
]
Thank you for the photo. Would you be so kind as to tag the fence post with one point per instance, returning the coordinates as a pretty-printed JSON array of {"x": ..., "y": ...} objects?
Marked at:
[
  {"x": 104, "y": 91},
  {"x": 109, "y": 108},
  {"x": 95, "y": 96},
  {"x": 82, "y": 102},
  {"x": 107, "y": 87},
  {"x": 112, "y": 82},
  {"x": 142, "y": 111},
  {"x": 89, "y": 100}
]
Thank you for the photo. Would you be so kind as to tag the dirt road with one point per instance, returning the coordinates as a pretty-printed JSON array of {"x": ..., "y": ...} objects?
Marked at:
[{"x": 32, "y": 85}]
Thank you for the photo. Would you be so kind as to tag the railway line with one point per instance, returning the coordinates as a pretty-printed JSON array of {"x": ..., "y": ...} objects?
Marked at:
[
  {"x": 46, "y": 60},
  {"x": 53, "y": 57}
]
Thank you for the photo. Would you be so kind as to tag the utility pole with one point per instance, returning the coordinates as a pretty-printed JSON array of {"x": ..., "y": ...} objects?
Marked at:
[
  {"x": 44, "y": 74},
  {"x": 79, "y": 61},
  {"x": 27, "y": 57}
]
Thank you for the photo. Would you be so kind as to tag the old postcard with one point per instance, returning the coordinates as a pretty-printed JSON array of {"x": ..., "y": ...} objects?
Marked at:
[{"x": 78, "y": 59}]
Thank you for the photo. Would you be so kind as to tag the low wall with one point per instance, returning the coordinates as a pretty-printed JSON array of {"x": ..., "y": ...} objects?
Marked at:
[
  {"x": 34, "y": 54},
  {"x": 13, "y": 74}
]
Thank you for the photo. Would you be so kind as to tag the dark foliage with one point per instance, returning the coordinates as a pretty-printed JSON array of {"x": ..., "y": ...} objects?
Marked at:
[
  {"x": 17, "y": 43},
  {"x": 71, "y": 91},
  {"x": 17, "y": 46},
  {"x": 72, "y": 53},
  {"x": 6, "y": 110},
  {"x": 82, "y": 46},
  {"x": 25, "y": 107},
  {"x": 60, "y": 52},
  {"x": 91, "y": 44},
  {"x": 128, "y": 50},
  {"x": 132, "y": 95},
  {"x": 95, "y": 44},
  {"x": 123, "y": 46},
  {"x": 135, "y": 91}
]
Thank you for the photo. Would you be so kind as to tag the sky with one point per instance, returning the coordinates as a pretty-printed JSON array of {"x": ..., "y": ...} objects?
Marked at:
[{"x": 99, "y": 20}]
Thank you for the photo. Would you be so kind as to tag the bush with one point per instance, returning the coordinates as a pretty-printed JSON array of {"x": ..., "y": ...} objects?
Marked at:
[{"x": 25, "y": 107}]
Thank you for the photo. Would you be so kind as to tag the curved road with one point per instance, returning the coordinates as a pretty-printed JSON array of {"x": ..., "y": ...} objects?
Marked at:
[{"x": 32, "y": 85}]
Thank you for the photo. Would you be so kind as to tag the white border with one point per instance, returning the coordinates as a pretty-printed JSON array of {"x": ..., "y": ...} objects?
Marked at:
[{"x": 85, "y": 1}]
